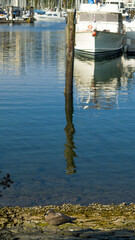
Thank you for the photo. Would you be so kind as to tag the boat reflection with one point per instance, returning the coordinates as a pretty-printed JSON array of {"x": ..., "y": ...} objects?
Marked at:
[{"x": 98, "y": 84}]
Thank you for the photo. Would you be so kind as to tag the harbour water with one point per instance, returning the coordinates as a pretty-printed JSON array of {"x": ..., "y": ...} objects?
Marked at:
[{"x": 54, "y": 155}]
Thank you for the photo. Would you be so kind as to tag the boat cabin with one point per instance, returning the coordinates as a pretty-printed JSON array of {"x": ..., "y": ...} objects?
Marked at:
[
  {"x": 102, "y": 19},
  {"x": 120, "y": 5}
]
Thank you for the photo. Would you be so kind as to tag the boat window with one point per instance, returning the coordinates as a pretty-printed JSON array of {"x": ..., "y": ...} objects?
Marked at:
[
  {"x": 100, "y": 17},
  {"x": 121, "y": 5},
  {"x": 49, "y": 14},
  {"x": 55, "y": 15}
]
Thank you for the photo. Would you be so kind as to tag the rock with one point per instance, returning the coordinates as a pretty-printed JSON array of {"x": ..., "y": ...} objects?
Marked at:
[
  {"x": 93, "y": 221},
  {"x": 5, "y": 235}
]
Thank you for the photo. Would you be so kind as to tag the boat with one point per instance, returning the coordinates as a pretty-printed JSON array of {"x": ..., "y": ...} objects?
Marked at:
[
  {"x": 3, "y": 14},
  {"x": 49, "y": 15},
  {"x": 120, "y": 4},
  {"x": 129, "y": 26},
  {"x": 26, "y": 15},
  {"x": 99, "y": 31}
]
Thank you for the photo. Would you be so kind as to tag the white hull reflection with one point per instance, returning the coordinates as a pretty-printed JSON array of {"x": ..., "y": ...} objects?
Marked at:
[
  {"x": 99, "y": 31},
  {"x": 97, "y": 82}
]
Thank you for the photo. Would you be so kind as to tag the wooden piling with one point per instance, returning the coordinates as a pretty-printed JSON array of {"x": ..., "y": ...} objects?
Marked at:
[
  {"x": 12, "y": 14},
  {"x": 31, "y": 19},
  {"x": 70, "y": 42}
]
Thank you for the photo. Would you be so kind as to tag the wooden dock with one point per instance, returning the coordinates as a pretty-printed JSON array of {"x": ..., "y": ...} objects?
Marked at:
[{"x": 16, "y": 21}]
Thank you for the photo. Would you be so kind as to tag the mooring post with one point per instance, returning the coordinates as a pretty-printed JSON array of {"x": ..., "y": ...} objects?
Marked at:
[
  {"x": 8, "y": 12},
  {"x": 31, "y": 15},
  {"x": 12, "y": 14},
  {"x": 70, "y": 42}
]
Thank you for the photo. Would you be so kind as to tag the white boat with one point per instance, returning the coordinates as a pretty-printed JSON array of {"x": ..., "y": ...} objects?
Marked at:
[
  {"x": 50, "y": 16},
  {"x": 130, "y": 28},
  {"x": 26, "y": 15},
  {"x": 120, "y": 4},
  {"x": 128, "y": 24},
  {"x": 3, "y": 14},
  {"x": 99, "y": 31},
  {"x": 130, "y": 36}
]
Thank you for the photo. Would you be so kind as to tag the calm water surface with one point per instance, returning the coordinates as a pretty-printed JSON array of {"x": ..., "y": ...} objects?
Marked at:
[{"x": 57, "y": 150}]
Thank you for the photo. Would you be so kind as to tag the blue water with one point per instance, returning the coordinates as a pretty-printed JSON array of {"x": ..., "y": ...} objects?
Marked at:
[{"x": 55, "y": 156}]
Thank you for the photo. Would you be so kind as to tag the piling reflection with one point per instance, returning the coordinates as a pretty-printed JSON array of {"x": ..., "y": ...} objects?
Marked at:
[{"x": 69, "y": 131}]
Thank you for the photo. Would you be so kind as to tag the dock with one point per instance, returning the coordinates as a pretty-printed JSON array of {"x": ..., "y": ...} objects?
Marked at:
[
  {"x": 11, "y": 18},
  {"x": 3, "y": 21}
]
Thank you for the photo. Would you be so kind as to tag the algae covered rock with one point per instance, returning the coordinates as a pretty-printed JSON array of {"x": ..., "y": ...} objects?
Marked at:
[{"x": 91, "y": 221}]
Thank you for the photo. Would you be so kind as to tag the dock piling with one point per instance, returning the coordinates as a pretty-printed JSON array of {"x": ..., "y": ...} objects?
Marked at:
[
  {"x": 70, "y": 42},
  {"x": 31, "y": 15}
]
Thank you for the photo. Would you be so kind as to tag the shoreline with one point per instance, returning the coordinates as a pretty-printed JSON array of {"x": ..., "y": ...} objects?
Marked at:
[{"x": 95, "y": 221}]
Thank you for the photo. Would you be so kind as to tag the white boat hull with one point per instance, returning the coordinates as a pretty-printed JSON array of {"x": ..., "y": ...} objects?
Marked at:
[
  {"x": 104, "y": 44},
  {"x": 3, "y": 16},
  {"x": 130, "y": 29},
  {"x": 44, "y": 17},
  {"x": 130, "y": 37}
]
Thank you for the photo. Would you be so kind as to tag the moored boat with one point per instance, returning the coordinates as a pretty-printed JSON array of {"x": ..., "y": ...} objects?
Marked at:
[
  {"x": 3, "y": 14},
  {"x": 130, "y": 36},
  {"x": 99, "y": 31},
  {"x": 50, "y": 16}
]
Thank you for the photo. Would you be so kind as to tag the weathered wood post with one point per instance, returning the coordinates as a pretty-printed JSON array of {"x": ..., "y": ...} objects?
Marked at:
[
  {"x": 12, "y": 14},
  {"x": 8, "y": 12},
  {"x": 69, "y": 129},
  {"x": 70, "y": 42},
  {"x": 31, "y": 15}
]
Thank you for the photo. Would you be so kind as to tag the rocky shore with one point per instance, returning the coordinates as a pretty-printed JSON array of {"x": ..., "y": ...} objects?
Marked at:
[{"x": 94, "y": 222}]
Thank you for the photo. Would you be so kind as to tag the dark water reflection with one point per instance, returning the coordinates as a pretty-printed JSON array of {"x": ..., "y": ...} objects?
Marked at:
[
  {"x": 69, "y": 131},
  {"x": 5, "y": 182},
  {"x": 77, "y": 149}
]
